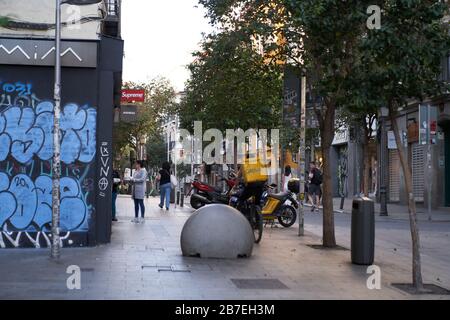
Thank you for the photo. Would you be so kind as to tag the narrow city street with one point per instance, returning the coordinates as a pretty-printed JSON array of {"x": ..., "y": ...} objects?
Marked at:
[{"x": 144, "y": 261}]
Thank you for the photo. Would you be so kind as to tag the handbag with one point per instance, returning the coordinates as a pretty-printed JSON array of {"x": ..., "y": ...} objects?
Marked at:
[{"x": 173, "y": 180}]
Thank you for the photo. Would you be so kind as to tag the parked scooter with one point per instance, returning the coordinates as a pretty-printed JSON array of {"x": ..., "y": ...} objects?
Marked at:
[
  {"x": 282, "y": 206},
  {"x": 204, "y": 194},
  {"x": 275, "y": 206}
]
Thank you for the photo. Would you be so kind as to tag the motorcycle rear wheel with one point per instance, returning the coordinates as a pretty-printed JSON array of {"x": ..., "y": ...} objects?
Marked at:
[
  {"x": 196, "y": 204},
  {"x": 287, "y": 217},
  {"x": 257, "y": 224}
]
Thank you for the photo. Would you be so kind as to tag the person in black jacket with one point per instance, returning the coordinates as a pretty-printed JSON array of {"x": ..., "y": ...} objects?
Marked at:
[
  {"x": 165, "y": 185},
  {"x": 314, "y": 188},
  {"x": 115, "y": 191}
]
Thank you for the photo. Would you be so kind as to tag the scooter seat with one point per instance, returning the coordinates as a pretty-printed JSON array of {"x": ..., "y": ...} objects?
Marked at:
[{"x": 280, "y": 196}]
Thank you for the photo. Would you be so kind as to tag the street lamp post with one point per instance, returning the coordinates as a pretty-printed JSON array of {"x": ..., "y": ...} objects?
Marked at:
[
  {"x": 56, "y": 245},
  {"x": 301, "y": 218},
  {"x": 56, "y": 166},
  {"x": 383, "y": 163}
]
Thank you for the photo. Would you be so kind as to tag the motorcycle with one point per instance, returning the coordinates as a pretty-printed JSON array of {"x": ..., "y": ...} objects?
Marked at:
[
  {"x": 281, "y": 206},
  {"x": 250, "y": 210},
  {"x": 204, "y": 194}
]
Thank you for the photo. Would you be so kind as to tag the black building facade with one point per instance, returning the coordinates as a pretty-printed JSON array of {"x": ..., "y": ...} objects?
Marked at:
[{"x": 91, "y": 83}]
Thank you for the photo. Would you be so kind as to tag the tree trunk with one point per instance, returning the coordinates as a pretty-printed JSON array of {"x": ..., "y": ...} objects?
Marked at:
[
  {"x": 416, "y": 259},
  {"x": 366, "y": 161},
  {"x": 329, "y": 238},
  {"x": 327, "y": 135}
]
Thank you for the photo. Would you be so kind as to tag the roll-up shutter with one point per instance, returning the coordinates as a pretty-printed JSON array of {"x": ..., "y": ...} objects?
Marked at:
[
  {"x": 418, "y": 171},
  {"x": 394, "y": 176}
]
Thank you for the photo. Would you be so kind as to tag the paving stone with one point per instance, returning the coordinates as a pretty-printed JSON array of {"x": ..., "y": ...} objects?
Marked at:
[{"x": 115, "y": 271}]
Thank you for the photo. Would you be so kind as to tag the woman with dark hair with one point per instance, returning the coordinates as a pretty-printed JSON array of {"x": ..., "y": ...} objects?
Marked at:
[
  {"x": 139, "y": 182},
  {"x": 165, "y": 185}
]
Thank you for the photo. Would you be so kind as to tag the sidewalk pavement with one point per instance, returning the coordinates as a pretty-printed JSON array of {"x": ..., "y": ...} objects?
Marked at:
[
  {"x": 398, "y": 212},
  {"x": 144, "y": 261}
]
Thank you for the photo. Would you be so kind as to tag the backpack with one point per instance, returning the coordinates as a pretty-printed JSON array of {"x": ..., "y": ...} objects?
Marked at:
[{"x": 254, "y": 172}]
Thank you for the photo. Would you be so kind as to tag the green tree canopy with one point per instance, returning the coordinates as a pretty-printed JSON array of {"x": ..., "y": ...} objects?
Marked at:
[
  {"x": 231, "y": 87},
  {"x": 401, "y": 64}
]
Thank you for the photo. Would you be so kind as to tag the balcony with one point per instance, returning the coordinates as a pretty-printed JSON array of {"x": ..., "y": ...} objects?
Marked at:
[{"x": 111, "y": 24}]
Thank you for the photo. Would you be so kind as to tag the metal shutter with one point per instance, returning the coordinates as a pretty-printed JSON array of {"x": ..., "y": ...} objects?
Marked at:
[
  {"x": 394, "y": 176},
  {"x": 418, "y": 171}
]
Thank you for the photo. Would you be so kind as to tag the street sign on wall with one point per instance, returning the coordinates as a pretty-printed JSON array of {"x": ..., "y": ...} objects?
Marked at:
[
  {"x": 392, "y": 143},
  {"x": 341, "y": 137},
  {"x": 291, "y": 101},
  {"x": 128, "y": 113},
  {"x": 129, "y": 96}
]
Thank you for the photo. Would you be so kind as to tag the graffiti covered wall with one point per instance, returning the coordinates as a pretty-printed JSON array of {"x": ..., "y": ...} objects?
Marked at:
[{"x": 26, "y": 146}]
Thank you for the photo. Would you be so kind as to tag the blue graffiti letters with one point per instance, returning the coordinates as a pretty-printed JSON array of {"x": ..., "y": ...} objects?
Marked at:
[
  {"x": 26, "y": 139},
  {"x": 28, "y": 132},
  {"x": 23, "y": 190},
  {"x": 27, "y": 204},
  {"x": 7, "y": 200},
  {"x": 26, "y": 161}
]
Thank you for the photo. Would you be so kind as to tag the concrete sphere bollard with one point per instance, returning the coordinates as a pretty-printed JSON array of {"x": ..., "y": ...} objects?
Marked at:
[{"x": 218, "y": 232}]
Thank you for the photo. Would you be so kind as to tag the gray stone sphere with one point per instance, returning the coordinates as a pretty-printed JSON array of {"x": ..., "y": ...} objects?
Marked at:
[{"x": 217, "y": 232}]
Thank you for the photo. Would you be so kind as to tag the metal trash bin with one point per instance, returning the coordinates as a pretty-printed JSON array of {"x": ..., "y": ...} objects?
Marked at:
[{"x": 363, "y": 231}]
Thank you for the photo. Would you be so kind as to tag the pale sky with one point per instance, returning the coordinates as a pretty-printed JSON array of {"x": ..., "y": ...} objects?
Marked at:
[{"x": 160, "y": 36}]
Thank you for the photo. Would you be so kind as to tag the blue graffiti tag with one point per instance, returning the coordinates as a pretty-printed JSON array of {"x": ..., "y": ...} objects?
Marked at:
[
  {"x": 17, "y": 94},
  {"x": 27, "y": 132},
  {"x": 26, "y": 203},
  {"x": 26, "y": 151},
  {"x": 72, "y": 120},
  {"x": 22, "y": 189},
  {"x": 7, "y": 200},
  {"x": 44, "y": 120},
  {"x": 5, "y": 140}
]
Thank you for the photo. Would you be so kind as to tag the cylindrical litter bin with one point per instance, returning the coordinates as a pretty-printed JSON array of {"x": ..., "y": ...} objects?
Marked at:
[{"x": 363, "y": 231}]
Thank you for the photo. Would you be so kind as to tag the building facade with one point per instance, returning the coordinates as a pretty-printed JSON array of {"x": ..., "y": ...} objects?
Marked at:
[
  {"x": 92, "y": 53},
  {"x": 431, "y": 171}
]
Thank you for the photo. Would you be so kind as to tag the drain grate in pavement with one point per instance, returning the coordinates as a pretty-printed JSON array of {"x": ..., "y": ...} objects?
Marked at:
[
  {"x": 148, "y": 248},
  {"x": 262, "y": 284},
  {"x": 430, "y": 289},
  {"x": 321, "y": 247},
  {"x": 171, "y": 268}
]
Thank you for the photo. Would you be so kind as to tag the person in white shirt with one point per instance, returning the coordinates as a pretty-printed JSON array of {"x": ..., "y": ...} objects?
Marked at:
[{"x": 287, "y": 177}]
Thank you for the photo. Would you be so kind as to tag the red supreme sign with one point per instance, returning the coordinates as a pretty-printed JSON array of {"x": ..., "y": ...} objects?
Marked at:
[{"x": 133, "y": 95}]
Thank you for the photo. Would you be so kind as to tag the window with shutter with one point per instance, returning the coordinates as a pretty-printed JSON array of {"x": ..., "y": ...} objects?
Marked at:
[
  {"x": 394, "y": 176},
  {"x": 418, "y": 171}
]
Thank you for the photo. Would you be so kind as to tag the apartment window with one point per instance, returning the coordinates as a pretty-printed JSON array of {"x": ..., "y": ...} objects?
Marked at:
[{"x": 113, "y": 7}]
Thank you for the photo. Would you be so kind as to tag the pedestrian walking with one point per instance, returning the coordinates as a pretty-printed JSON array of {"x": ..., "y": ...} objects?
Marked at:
[
  {"x": 308, "y": 198},
  {"x": 139, "y": 185},
  {"x": 165, "y": 185},
  {"x": 287, "y": 177},
  {"x": 314, "y": 188},
  {"x": 115, "y": 190}
]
